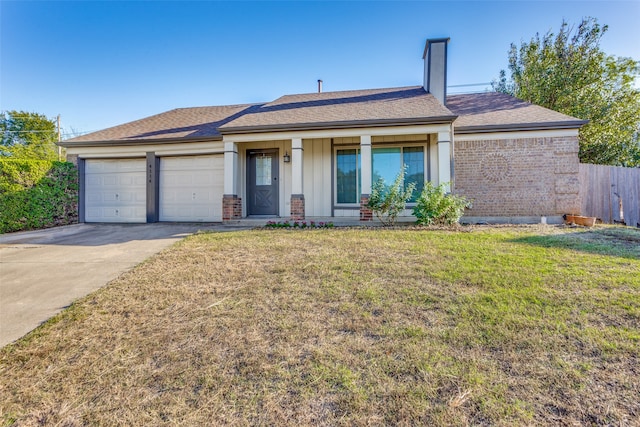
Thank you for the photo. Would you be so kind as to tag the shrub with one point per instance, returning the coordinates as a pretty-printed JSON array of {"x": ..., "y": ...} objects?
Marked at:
[
  {"x": 17, "y": 175},
  {"x": 387, "y": 201},
  {"x": 27, "y": 203},
  {"x": 436, "y": 206},
  {"x": 298, "y": 224}
]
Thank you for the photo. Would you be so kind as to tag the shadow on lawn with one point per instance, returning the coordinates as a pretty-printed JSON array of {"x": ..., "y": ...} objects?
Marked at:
[{"x": 621, "y": 242}]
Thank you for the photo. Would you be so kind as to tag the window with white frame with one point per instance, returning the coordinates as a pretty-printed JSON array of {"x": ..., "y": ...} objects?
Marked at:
[
  {"x": 386, "y": 163},
  {"x": 348, "y": 176}
]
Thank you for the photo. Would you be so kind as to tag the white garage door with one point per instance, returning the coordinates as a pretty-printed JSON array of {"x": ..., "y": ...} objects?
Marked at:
[
  {"x": 191, "y": 188},
  {"x": 115, "y": 191}
]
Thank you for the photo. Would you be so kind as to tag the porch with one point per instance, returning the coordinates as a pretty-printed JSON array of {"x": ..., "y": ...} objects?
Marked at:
[{"x": 327, "y": 175}]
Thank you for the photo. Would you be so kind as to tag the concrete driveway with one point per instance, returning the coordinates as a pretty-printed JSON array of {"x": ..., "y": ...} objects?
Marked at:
[{"x": 42, "y": 272}]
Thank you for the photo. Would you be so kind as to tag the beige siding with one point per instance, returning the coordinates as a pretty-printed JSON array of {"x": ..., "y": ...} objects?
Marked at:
[
  {"x": 398, "y": 138},
  {"x": 317, "y": 176},
  {"x": 140, "y": 150}
]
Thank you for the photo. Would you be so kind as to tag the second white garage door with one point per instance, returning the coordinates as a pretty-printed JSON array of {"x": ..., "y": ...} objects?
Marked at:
[{"x": 191, "y": 188}]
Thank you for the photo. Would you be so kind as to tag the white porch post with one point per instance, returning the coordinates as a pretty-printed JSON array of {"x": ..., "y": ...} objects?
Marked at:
[
  {"x": 365, "y": 177},
  {"x": 296, "y": 166},
  {"x": 297, "y": 184},
  {"x": 444, "y": 158},
  {"x": 231, "y": 201},
  {"x": 230, "y": 168},
  {"x": 365, "y": 164}
]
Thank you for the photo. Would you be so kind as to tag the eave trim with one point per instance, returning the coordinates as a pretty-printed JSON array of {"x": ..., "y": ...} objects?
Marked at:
[
  {"x": 576, "y": 124},
  {"x": 335, "y": 125},
  {"x": 129, "y": 142}
]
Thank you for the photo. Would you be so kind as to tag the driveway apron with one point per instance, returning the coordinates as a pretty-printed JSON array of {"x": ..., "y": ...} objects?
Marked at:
[{"x": 43, "y": 272}]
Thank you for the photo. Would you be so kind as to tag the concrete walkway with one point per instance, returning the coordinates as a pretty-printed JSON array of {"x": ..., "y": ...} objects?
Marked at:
[{"x": 42, "y": 272}]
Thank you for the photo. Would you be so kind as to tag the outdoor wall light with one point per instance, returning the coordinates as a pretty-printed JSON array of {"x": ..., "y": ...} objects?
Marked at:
[{"x": 287, "y": 157}]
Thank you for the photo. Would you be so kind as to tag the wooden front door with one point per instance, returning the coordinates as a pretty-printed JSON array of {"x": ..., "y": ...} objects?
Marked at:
[{"x": 262, "y": 182}]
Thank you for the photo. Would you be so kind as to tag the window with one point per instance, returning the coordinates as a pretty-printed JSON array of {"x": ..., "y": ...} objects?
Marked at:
[
  {"x": 388, "y": 161},
  {"x": 263, "y": 170},
  {"x": 348, "y": 176},
  {"x": 413, "y": 158},
  {"x": 385, "y": 164}
]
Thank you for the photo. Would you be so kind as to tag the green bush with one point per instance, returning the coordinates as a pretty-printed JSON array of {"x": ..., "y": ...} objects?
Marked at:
[
  {"x": 28, "y": 202},
  {"x": 16, "y": 175},
  {"x": 436, "y": 206},
  {"x": 387, "y": 201}
]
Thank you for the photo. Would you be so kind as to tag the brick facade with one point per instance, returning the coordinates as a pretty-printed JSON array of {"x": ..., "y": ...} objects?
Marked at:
[
  {"x": 72, "y": 158},
  {"x": 366, "y": 214},
  {"x": 518, "y": 177},
  {"x": 231, "y": 207},
  {"x": 297, "y": 206}
]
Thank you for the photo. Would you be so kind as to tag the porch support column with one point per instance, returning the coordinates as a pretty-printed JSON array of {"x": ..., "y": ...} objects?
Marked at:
[
  {"x": 153, "y": 187},
  {"x": 444, "y": 159},
  {"x": 297, "y": 184},
  {"x": 366, "y": 177},
  {"x": 231, "y": 202}
]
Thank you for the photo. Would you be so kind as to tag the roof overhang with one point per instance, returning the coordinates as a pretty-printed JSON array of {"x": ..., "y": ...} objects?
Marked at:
[
  {"x": 129, "y": 142},
  {"x": 576, "y": 124},
  {"x": 336, "y": 125}
]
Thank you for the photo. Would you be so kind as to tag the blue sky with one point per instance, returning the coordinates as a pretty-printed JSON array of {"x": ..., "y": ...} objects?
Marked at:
[{"x": 99, "y": 64}]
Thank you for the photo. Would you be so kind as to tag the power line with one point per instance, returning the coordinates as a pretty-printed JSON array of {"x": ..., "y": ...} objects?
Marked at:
[
  {"x": 29, "y": 131},
  {"x": 471, "y": 84},
  {"x": 28, "y": 116}
]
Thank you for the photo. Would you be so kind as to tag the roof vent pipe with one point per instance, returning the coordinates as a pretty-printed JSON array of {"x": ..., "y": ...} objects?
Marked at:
[
  {"x": 319, "y": 86},
  {"x": 435, "y": 68}
]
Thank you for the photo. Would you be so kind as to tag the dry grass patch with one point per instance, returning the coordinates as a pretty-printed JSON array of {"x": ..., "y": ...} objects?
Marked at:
[{"x": 496, "y": 326}]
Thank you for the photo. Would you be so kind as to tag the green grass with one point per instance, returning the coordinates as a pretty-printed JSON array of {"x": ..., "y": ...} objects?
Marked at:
[{"x": 480, "y": 325}]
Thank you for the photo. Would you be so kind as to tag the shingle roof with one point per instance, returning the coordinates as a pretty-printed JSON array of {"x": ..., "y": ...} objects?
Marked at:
[
  {"x": 479, "y": 112},
  {"x": 498, "y": 111},
  {"x": 179, "y": 124},
  {"x": 343, "y": 109}
]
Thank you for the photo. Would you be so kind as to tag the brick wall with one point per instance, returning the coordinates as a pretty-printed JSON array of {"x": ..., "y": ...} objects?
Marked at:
[
  {"x": 231, "y": 207},
  {"x": 72, "y": 158},
  {"x": 366, "y": 214},
  {"x": 297, "y": 206},
  {"x": 518, "y": 177}
]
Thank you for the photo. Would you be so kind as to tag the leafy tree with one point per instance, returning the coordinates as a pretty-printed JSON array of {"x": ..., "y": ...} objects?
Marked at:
[
  {"x": 568, "y": 72},
  {"x": 27, "y": 136}
]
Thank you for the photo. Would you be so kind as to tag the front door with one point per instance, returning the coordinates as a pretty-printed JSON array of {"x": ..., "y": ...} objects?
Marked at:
[{"x": 262, "y": 182}]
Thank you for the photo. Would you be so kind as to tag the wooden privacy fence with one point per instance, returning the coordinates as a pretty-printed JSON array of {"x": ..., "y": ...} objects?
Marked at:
[{"x": 610, "y": 193}]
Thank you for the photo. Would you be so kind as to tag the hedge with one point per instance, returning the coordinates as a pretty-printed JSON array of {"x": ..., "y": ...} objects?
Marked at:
[{"x": 37, "y": 194}]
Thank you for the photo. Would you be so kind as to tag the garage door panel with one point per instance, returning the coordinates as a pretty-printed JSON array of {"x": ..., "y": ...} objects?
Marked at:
[
  {"x": 191, "y": 188},
  {"x": 109, "y": 214},
  {"x": 115, "y": 190}
]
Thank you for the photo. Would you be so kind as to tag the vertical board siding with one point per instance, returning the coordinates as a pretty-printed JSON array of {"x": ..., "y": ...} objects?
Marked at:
[
  {"x": 604, "y": 190},
  {"x": 317, "y": 177}
]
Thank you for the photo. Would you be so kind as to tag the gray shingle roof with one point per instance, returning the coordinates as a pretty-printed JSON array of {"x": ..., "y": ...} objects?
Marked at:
[
  {"x": 343, "y": 109},
  {"x": 480, "y": 112},
  {"x": 498, "y": 111},
  {"x": 179, "y": 124}
]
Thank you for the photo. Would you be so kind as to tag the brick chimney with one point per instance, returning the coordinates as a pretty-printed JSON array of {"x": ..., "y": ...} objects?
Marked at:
[{"x": 435, "y": 68}]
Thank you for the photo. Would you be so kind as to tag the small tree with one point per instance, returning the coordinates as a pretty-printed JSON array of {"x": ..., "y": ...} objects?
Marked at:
[
  {"x": 387, "y": 201},
  {"x": 436, "y": 206},
  {"x": 27, "y": 135}
]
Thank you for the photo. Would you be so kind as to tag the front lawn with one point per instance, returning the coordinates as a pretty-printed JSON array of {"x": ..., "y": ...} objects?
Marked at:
[{"x": 484, "y": 326}]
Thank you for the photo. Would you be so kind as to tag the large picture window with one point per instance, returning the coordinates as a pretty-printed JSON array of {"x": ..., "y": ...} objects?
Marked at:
[{"x": 388, "y": 161}]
